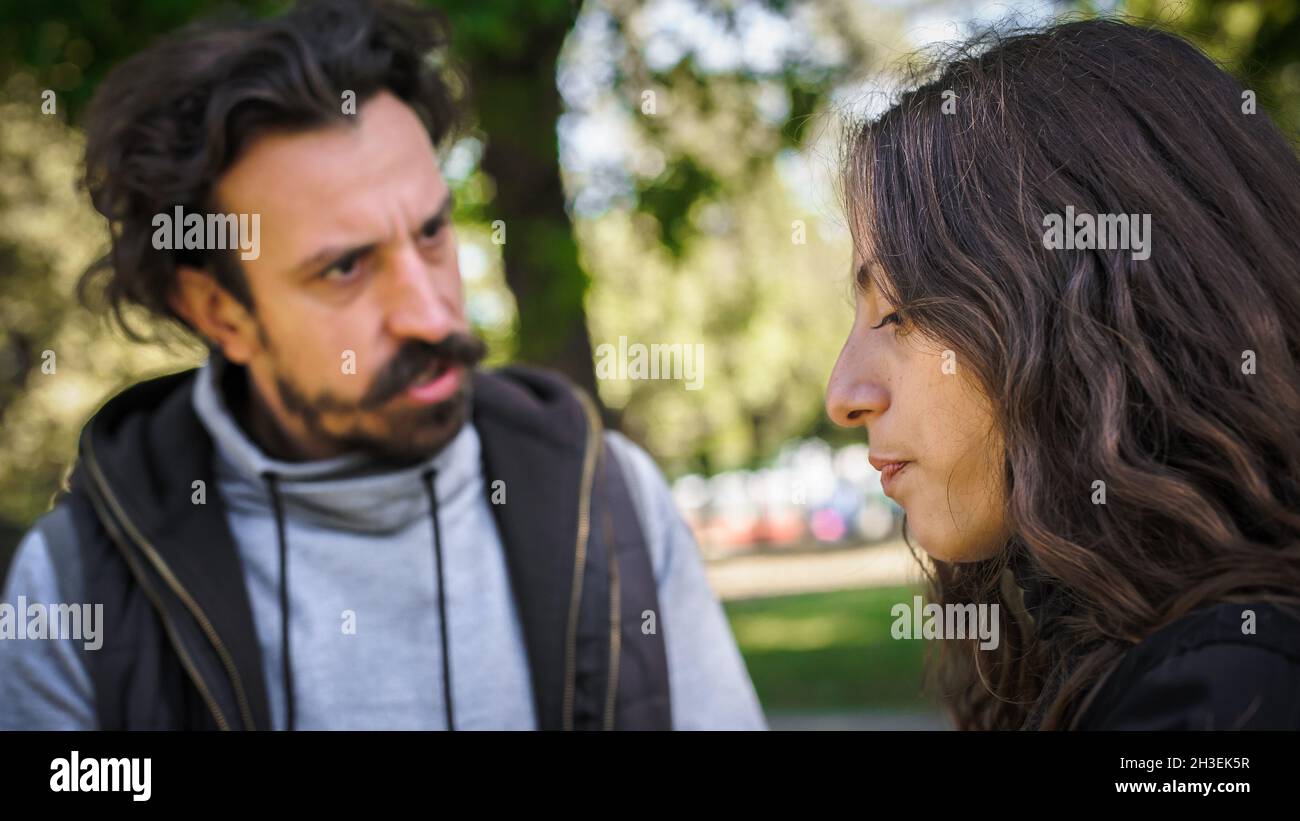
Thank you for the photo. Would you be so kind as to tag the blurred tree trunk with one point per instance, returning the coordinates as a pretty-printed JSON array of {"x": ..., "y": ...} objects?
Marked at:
[{"x": 518, "y": 105}]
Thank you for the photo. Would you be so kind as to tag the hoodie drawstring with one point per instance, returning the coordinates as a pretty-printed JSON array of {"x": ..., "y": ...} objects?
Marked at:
[
  {"x": 287, "y": 675},
  {"x": 430, "y": 479}
]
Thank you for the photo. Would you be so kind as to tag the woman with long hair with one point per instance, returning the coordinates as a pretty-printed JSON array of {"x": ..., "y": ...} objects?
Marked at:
[{"x": 1076, "y": 356}]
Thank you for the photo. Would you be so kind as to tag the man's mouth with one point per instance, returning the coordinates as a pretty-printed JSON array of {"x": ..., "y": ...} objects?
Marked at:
[{"x": 439, "y": 384}]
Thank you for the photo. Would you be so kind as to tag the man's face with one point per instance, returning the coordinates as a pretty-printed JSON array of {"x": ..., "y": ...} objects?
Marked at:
[{"x": 358, "y": 338}]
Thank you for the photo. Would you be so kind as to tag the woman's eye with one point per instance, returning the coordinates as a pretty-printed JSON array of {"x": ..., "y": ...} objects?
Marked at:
[{"x": 890, "y": 318}]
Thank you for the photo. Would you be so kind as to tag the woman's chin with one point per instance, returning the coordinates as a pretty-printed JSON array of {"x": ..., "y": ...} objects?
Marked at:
[{"x": 946, "y": 545}]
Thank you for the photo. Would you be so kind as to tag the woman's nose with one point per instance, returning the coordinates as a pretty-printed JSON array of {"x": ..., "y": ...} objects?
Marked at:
[{"x": 854, "y": 394}]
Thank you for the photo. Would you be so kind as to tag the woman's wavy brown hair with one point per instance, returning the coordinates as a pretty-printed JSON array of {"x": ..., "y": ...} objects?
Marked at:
[{"x": 1173, "y": 380}]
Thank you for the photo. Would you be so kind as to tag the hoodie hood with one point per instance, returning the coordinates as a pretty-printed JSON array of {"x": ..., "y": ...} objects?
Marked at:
[
  {"x": 152, "y": 442},
  {"x": 348, "y": 492}
]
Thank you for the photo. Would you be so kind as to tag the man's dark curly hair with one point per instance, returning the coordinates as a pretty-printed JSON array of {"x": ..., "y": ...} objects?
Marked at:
[{"x": 168, "y": 122}]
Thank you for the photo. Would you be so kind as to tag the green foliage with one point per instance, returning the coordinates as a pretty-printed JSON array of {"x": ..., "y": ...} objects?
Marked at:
[
  {"x": 1257, "y": 40},
  {"x": 726, "y": 108},
  {"x": 70, "y": 45},
  {"x": 669, "y": 198},
  {"x": 769, "y": 312},
  {"x": 58, "y": 361}
]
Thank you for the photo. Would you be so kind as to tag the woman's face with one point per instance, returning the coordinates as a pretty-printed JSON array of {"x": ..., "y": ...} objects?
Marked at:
[{"x": 921, "y": 409}]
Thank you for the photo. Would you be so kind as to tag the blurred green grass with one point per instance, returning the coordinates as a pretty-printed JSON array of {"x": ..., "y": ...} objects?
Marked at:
[{"x": 830, "y": 652}]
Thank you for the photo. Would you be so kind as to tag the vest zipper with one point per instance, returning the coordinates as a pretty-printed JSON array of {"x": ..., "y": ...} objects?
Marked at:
[
  {"x": 580, "y": 556},
  {"x": 165, "y": 572},
  {"x": 615, "y": 623}
]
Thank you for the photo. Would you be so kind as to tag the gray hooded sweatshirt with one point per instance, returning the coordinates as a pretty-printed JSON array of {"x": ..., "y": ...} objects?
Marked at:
[{"x": 363, "y": 597}]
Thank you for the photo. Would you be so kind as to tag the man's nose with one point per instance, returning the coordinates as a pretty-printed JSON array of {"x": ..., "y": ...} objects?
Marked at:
[{"x": 417, "y": 308}]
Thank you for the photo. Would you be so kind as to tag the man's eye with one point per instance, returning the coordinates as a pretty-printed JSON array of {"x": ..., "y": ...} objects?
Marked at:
[
  {"x": 345, "y": 269},
  {"x": 432, "y": 231},
  {"x": 890, "y": 318}
]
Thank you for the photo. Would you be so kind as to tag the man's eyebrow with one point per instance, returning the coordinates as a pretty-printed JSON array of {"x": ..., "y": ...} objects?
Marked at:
[
  {"x": 330, "y": 255},
  {"x": 440, "y": 217},
  {"x": 333, "y": 253}
]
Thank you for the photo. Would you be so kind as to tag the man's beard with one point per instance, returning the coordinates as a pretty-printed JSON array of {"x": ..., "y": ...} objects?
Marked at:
[{"x": 411, "y": 434}]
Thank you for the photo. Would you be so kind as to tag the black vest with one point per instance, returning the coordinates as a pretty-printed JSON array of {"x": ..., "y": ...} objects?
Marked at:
[{"x": 180, "y": 650}]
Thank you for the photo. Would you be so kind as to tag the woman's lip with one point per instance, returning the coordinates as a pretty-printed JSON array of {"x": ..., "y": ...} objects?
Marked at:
[
  {"x": 889, "y": 473},
  {"x": 441, "y": 387}
]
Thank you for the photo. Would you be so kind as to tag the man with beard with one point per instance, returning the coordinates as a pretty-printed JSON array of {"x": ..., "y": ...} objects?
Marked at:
[{"x": 338, "y": 521}]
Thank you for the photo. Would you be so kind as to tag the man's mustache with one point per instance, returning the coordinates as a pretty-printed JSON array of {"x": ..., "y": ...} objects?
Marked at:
[{"x": 418, "y": 358}]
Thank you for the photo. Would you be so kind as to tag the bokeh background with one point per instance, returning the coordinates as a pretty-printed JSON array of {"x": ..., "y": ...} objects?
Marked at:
[{"x": 666, "y": 172}]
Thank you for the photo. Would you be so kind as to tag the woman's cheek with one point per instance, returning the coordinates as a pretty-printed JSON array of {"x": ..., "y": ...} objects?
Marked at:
[{"x": 954, "y": 523}]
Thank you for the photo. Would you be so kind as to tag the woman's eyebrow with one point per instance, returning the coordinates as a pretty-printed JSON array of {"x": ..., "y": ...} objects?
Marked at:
[{"x": 863, "y": 278}]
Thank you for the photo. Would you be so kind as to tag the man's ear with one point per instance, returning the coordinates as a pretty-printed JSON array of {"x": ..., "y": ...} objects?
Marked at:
[{"x": 210, "y": 309}]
